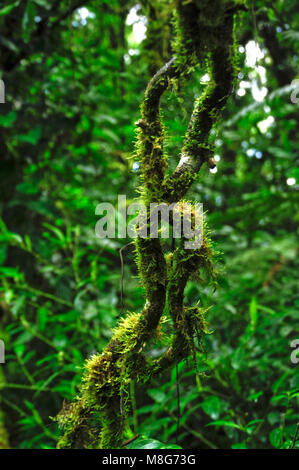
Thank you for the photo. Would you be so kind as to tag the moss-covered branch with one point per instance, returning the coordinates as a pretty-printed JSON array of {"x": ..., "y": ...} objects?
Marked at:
[
  {"x": 197, "y": 148},
  {"x": 98, "y": 417}
]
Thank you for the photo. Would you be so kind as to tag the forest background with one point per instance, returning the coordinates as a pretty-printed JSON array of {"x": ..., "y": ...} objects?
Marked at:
[{"x": 74, "y": 75}]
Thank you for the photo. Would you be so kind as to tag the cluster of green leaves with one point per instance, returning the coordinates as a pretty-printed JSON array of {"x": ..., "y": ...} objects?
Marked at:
[{"x": 73, "y": 88}]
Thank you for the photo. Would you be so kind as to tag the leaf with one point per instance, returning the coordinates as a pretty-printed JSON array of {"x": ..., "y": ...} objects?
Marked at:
[
  {"x": 255, "y": 396},
  {"x": 10, "y": 272},
  {"x": 157, "y": 395},
  {"x": 144, "y": 442},
  {"x": 273, "y": 417},
  {"x": 211, "y": 406},
  {"x": 291, "y": 35},
  {"x": 278, "y": 383},
  {"x": 44, "y": 384},
  {"x": 19, "y": 349},
  {"x": 251, "y": 426},
  {"x": 27, "y": 188},
  {"x": 189, "y": 398},
  {"x": 60, "y": 235},
  {"x": 280, "y": 153},
  {"x": 239, "y": 445},
  {"x": 9, "y": 44},
  {"x": 8, "y": 119},
  {"x": 42, "y": 317},
  {"x": 28, "y": 23},
  {"x": 6, "y": 10},
  {"x": 28, "y": 242},
  {"x": 43, "y": 3},
  {"x": 253, "y": 312},
  {"x": 31, "y": 137},
  {"x": 275, "y": 437},
  {"x": 221, "y": 422}
]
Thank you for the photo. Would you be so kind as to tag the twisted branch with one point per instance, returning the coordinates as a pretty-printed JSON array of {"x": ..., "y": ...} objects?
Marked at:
[{"x": 98, "y": 416}]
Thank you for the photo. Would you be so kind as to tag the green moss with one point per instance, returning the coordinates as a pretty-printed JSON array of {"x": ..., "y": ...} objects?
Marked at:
[{"x": 98, "y": 416}]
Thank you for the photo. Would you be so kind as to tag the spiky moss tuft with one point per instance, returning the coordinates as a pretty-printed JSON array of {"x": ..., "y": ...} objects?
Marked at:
[
  {"x": 149, "y": 152},
  {"x": 195, "y": 24},
  {"x": 150, "y": 261},
  {"x": 104, "y": 391},
  {"x": 189, "y": 327},
  {"x": 106, "y": 373},
  {"x": 77, "y": 433},
  {"x": 105, "y": 383},
  {"x": 190, "y": 260},
  {"x": 192, "y": 325}
]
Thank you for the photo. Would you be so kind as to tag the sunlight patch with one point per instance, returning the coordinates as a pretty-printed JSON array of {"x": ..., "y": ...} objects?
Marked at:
[{"x": 138, "y": 23}]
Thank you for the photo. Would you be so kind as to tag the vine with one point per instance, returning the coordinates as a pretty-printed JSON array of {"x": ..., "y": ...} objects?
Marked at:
[{"x": 98, "y": 416}]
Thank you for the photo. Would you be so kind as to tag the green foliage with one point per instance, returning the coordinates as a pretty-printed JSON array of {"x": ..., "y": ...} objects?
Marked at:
[{"x": 67, "y": 140}]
